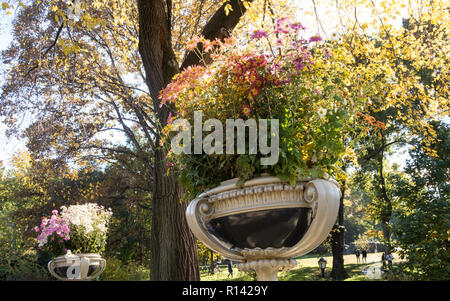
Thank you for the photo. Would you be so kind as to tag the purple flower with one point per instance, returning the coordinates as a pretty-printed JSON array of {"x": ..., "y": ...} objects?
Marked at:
[
  {"x": 298, "y": 64},
  {"x": 297, "y": 26},
  {"x": 281, "y": 21},
  {"x": 315, "y": 39},
  {"x": 258, "y": 34}
]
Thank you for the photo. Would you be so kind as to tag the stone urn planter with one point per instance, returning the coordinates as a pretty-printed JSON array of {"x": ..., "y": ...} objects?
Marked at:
[
  {"x": 77, "y": 267},
  {"x": 265, "y": 223}
]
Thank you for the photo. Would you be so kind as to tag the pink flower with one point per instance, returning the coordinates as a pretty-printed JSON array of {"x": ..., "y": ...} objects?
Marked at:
[
  {"x": 193, "y": 43},
  {"x": 258, "y": 34},
  {"x": 170, "y": 164},
  {"x": 36, "y": 229},
  {"x": 170, "y": 118},
  {"x": 55, "y": 212},
  {"x": 297, "y": 26}
]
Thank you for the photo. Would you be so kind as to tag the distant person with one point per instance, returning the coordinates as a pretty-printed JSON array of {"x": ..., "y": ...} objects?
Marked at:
[
  {"x": 383, "y": 260},
  {"x": 364, "y": 255},
  {"x": 357, "y": 253},
  {"x": 230, "y": 269},
  {"x": 322, "y": 264},
  {"x": 389, "y": 259}
]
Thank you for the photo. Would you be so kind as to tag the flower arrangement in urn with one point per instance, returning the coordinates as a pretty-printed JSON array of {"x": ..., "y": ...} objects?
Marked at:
[
  {"x": 304, "y": 83},
  {"x": 78, "y": 228},
  {"x": 268, "y": 197}
]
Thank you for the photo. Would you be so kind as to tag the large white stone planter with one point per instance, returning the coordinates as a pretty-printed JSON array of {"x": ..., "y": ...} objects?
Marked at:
[
  {"x": 77, "y": 267},
  {"x": 265, "y": 223}
]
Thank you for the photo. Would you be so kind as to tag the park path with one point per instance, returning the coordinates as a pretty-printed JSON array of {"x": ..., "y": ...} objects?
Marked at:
[{"x": 373, "y": 271}]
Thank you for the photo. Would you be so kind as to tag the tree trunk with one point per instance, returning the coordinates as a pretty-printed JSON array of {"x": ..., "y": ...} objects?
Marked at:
[
  {"x": 173, "y": 248},
  {"x": 211, "y": 266},
  {"x": 387, "y": 212},
  {"x": 338, "y": 271}
]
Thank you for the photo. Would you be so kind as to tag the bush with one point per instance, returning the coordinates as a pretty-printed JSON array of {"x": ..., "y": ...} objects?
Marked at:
[
  {"x": 23, "y": 269},
  {"x": 116, "y": 270}
]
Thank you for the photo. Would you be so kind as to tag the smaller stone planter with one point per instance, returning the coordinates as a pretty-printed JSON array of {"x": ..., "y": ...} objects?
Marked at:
[{"x": 77, "y": 267}]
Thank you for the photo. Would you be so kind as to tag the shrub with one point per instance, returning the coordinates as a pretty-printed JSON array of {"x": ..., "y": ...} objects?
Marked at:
[
  {"x": 116, "y": 270},
  {"x": 23, "y": 269}
]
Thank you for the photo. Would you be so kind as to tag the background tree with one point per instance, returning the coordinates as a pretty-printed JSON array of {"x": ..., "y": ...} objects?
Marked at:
[
  {"x": 58, "y": 55},
  {"x": 422, "y": 227}
]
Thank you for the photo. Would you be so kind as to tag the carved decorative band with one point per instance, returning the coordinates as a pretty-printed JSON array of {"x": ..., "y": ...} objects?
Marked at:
[
  {"x": 258, "y": 253},
  {"x": 260, "y": 194},
  {"x": 255, "y": 198}
]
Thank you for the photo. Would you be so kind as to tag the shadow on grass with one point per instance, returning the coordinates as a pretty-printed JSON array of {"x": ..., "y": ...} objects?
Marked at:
[
  {"x": 314, "y": 274},
  {"x": 299, "y": 273}
]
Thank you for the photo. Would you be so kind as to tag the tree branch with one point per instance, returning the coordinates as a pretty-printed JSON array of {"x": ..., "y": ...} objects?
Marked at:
[
  {"x": 218, "y": 26},
  {"x": 55, "y": 40}
]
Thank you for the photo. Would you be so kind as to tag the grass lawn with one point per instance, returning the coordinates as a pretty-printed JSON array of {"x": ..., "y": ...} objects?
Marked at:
[{"x": 306, "y": 270}]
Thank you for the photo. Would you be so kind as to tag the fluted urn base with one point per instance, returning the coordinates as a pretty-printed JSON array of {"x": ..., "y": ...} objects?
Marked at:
[{"x": 267, "y": 269}]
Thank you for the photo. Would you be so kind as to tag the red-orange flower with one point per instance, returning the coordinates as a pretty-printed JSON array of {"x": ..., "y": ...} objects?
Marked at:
[{"x": 246, "y": 110}]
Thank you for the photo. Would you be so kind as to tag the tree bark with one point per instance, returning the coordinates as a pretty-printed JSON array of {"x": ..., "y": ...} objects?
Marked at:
[
  {"x": 338, "y": 271},
  {"x": 387, "y": 212},
  {"x": 173, "y": 247}
]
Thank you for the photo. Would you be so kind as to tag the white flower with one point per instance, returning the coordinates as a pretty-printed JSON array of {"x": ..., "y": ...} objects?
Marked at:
[
  {"x": 322, "y": 112},
  {"x": 90, "y": 217}
]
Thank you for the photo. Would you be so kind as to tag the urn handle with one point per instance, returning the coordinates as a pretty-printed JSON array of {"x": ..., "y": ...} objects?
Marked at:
[
  {"x": 51, "y": 269},
  {"x": 102, "y": 264}
]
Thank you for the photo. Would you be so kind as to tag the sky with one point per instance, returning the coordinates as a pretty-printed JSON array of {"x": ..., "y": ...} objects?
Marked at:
[
  {"x": 306, "y": 15},
  {"x": 7, "y": 146}
]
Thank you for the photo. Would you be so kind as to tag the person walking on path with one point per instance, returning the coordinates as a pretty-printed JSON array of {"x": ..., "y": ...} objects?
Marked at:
[
  {"x": 230, "y": 269},
  {"x": 364, "y": 255},
  {"x": 357, "y": 253},
  {"x": 322, "y": 264},
  {"x": 389, "y": 258},
  {"x": 383, "y": 260}
]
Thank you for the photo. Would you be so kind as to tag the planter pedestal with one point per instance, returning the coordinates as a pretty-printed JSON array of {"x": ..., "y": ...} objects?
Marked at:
[
  {"x": 265, "y": 223},
  {"x": 267, "y": 269}
]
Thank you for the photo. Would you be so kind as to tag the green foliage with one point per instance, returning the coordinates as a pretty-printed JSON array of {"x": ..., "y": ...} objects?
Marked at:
[
  {"x": 95, "y": 242},
  {"x": 423, "y": 227},
  {"x": 30, "y": 190},
  {"x": 307, "y": 88},
  {"x": 116, "y": 270},
  {"x": 23, "y": 268}
]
